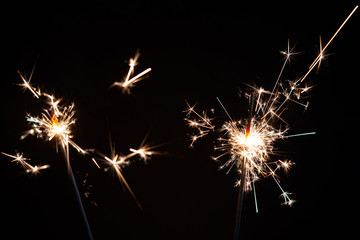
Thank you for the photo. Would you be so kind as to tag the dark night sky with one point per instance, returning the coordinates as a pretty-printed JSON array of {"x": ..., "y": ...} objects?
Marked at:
[{"x": 197, "y": 52}]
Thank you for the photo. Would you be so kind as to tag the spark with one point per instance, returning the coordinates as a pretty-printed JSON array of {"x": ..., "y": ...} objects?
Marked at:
[
  {"x": 129, "y": 81},
  {"x": 117, "y": 162},
  {"x": 19, "y": 158},
  {"x": 320, "y": 55},
  {"x": 300, "y": 134},
  {"x": 289, "y": 52},
  {"x": 26, "y": 85},
  {"x": 93, "y": 159},
  {"x": 142, "y": 152},
  {"x": 285, "y": 165}
]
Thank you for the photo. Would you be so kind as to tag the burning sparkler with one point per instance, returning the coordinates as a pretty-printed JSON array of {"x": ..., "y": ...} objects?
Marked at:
[
  {"x": 54, "y": 123},
  {"x": 249, "y": 144},
  {"x": 130, "y": 80}
]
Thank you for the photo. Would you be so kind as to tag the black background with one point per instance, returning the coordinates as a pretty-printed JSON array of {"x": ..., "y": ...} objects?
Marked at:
[{"x": 197, "y": 52}]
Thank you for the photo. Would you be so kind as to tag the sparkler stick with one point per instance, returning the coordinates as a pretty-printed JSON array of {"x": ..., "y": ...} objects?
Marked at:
[
  {"x": 26, "y": 85},
  {"x": 136, "y": 78},
  {"x": 287, "y": 59},
  {"x": 242, "y": 163},
  {"x": 243, "y": 175},
  {"x": 76, "y": 191},
  {"x": 240, "y": 201}
]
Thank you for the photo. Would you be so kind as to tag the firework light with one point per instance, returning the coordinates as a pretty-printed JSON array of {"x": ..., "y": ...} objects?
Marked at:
[
  {"x": 55, "y": 124},
  {"x": 250, "y": 145},
  {"x": 250, "y": 142},
  {"x": 199, "y": 54}
]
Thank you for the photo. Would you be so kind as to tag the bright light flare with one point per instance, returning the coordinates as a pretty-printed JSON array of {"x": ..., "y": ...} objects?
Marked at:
[
  {"x": 55, "y": 124},
  {"x": 130, "y": 80},
  {"x": 26, "y": 85}
]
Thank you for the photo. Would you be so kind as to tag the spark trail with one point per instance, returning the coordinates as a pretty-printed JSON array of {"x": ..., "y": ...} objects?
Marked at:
[
  {"x": 130, "y": 80},
  {"x": 19, "y": 158}
]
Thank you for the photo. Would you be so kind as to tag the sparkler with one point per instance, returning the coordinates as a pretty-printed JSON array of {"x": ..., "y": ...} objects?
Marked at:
[
  {"x": 55, "y": 123},
  {"x": 130, "y": 80},
  {"x": 249, "y": 144}
]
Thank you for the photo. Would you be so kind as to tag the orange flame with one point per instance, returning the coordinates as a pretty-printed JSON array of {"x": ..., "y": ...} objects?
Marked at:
[{"x": 54, "y": 120}]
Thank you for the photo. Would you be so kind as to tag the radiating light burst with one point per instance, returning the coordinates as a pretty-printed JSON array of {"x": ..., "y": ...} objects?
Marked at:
[
  {"x": 250, "y": 145},
  {"x": 20, "y": 159},
  {"x": 248, "y": 141},
  {"x": 130, "y": 80},
  {"x": 55, "y": 122}
]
